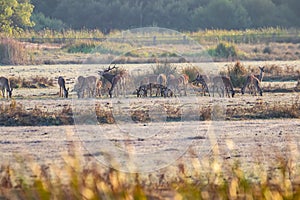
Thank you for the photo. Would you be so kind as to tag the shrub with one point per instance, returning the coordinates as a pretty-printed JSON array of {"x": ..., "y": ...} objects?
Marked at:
[
  {"x": 81, "y": 47},
  {"x": 237, "y": 74},
  {"x": 224, "y": 50},
  {"x": 267, "y": 50},
  {"x": 191, "y": 72},
  {"x": 165, "y": 68}
]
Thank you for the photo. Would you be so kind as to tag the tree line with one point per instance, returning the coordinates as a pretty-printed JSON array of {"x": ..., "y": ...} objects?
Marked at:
[{"x": 187, "y": 15}]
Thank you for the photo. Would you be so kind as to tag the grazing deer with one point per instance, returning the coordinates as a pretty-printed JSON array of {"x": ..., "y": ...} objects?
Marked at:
[
  {"x": 253, "y": 82},
  {"x": 203, "y": 80},
  {"x": 177, "y": 84},
  {"x": 142, "y": 91},
  {"x": 4, "y": 85},
  {"x": 112, "y": 78},
  {"x": 149, "y": 79},
  {"x": 79, "y": 87},
  {"x": 63, "y": 92},
  {"x": 223, "y": 84},
  {"x": 90, "y": 85}
]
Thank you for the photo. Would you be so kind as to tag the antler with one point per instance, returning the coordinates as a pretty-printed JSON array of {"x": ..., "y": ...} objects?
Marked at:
[{"x": 109, "y": 69}]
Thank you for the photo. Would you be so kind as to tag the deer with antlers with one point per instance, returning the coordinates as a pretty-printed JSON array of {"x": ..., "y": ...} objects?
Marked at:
[
  {"x": 111, "y": 78},
  {"x": 203, "y": 80}
]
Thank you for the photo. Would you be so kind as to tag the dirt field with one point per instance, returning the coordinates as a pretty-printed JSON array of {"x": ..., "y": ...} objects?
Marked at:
[{"x": 155, "y": 144}]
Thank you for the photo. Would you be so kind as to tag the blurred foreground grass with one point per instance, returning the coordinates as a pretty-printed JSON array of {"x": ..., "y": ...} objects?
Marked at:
[{"x": 84, "y": 178}]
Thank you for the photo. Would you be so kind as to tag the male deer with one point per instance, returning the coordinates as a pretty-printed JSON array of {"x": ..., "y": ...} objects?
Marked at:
[
  {"x": 223, "y": 84},
  {"x": 4, "y": 85},
  {"x": 63, "y": 92},
  {"x": 203, "y": 80},
  {"x": 112, "y": 78}
]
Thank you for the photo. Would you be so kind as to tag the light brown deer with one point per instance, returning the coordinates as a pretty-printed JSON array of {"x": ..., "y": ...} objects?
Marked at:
[
  {"x": 90, "y": 86},
  {"x": 253, "y": 83},
  {"x": 63, "y": 92},
  {"x": 223, "y": 84},
  {"x": 5, "y": 86},
  {"x": 177, "y": 84}
]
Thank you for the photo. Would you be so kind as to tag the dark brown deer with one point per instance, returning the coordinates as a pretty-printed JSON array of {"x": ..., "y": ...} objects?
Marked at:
[
  {"x": 203, "y": 80},
  {"x": 63, "y": 92},
  {"x": 112, "y": 78},
  {"x": 4, "y": 85}
]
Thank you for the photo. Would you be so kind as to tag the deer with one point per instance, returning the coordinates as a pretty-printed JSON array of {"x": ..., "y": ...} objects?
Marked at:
[
  {"x": 253, "y": 82},
  {"x": 90, "y": 85},
  {"x": 178, "y": 83},
  {"x": 4, "y": 85},
  {"x": 223, "y": 84},
  {"x": 121, "y": 78},
  {"x": 142, "y": 91},
  {"x": 63, "y": 92},
  {"x": 203, "y": 80},
  {"x": 79, "y": 87},
  {"x": 99, "y": 87},
  {"x": 149, "y": 79},
  {"x": 112, "y": 78}
]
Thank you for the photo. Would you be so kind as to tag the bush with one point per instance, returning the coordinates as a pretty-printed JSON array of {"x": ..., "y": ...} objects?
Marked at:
[
  {"x": 191, "y": 72},
  {"x": 165, "y": 68},
  {"x": 267, "y": 50},
  {"x": 12, "y": 52},
  {"x": 237, "y": 74},
  {"x": 81, "y": 47},
  {"x": 224, "y": 50},
  {"x": 42, "y": 22}
]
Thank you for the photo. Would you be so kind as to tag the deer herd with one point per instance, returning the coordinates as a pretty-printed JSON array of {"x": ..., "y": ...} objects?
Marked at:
[{"x": 114, "y": 82}]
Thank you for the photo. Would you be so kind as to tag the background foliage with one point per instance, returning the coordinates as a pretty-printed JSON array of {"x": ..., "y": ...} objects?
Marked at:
[{"x": 189, "y": 15}]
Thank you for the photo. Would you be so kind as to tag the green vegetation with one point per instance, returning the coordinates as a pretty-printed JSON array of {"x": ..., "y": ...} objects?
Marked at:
[
  {"x": 190, "y": 15},
  {"x": 224, "y": 50},
  {"x": 15, "y": 15}
]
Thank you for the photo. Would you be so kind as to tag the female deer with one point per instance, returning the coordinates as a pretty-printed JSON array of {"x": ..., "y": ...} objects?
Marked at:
[
  {"x": 4, "y": 85},
  {"x": 63, "y": 92}
]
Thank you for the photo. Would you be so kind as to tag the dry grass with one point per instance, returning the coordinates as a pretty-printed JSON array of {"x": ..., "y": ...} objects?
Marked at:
[
  {"x": 15, "y": 114},
  {"x": 32, "y": 82},
  {"x": 80, "y": 178}
]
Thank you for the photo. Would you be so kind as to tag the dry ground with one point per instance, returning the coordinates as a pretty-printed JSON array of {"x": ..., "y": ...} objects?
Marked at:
[{"x": 249, "y": 141}]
